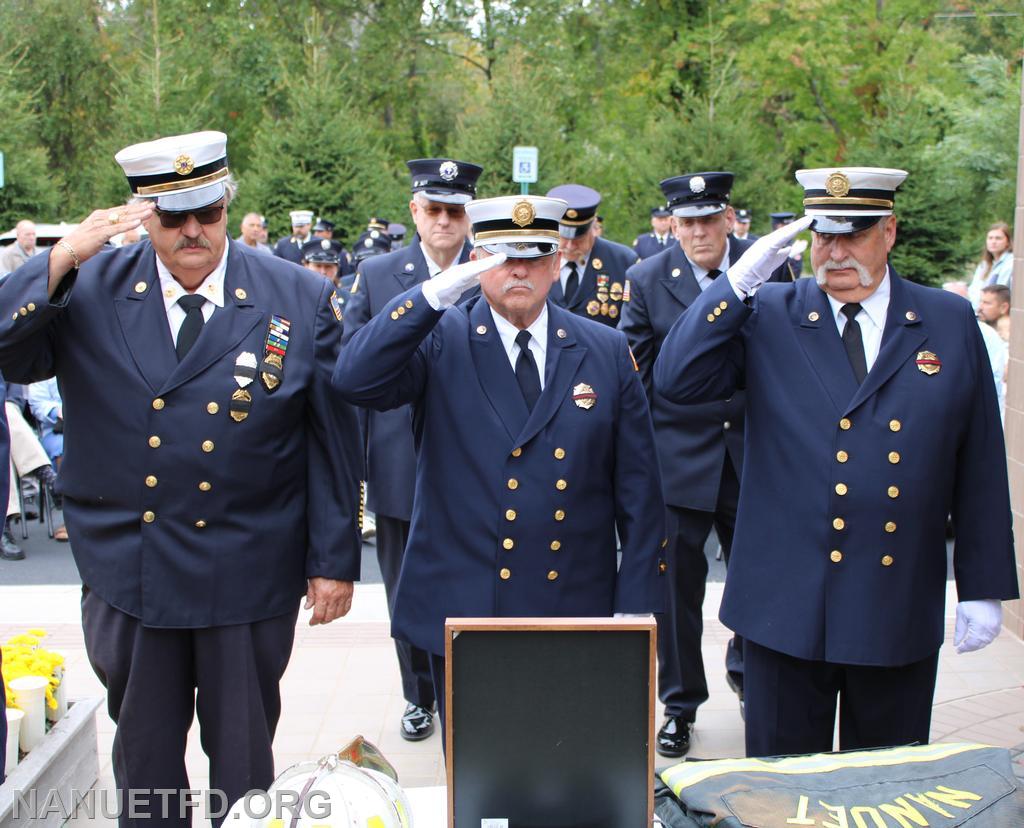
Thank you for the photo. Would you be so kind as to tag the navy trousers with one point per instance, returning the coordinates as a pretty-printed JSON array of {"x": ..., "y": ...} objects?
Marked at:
[{"x": 157, "y": 679}]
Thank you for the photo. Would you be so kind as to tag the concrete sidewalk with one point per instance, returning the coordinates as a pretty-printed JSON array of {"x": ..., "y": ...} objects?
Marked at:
[{"x": 343, "y": 680}]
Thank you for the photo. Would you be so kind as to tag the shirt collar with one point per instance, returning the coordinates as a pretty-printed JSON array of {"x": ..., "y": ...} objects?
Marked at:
[
  {"x": 581, "y": 262},
  {"x": 699, "y": 272},
  {"x": 433, "y": 268},
  {"x": 876, "y": 306},
  {"x": 212, "y": 287},
  {"x": 508, "y": 332}
]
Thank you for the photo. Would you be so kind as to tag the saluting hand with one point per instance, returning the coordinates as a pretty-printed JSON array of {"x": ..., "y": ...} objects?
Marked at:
[
  {"x": 329, "y": 599},
  {"x": 445, "y": 289},
  {"x": 764, "y": 256}
]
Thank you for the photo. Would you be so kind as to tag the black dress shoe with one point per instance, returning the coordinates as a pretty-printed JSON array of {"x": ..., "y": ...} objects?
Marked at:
[
  {"x": 674, "y": 737},
  {"x": 417, "y": 723},
  {"x": 9, "y": 550},
  {"x": 735, "y": 682}
]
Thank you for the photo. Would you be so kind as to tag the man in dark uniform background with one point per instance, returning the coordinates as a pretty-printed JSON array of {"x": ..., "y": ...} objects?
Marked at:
[
  {"x": 741, "y": 227},
  {"x": 795, "y": 260},
  {"x": 324, "y": 229},
  {"x": 440, "y": 189},
  {"x": 592, "y": 272},
  {"x": 871, "y": 417},
  {"x": 290, "y": 247},
  {"x": 212, "y": 483},
  {"x": 660, "y": 236},
  {"x": 700, "y": 447}
]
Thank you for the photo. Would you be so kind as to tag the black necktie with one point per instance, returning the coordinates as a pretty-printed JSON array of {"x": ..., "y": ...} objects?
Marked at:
[
  {"x": 714, "y": 274},
  {"x": 188, "y": 333},
  {"x": 854, "y": 342},
  {"x": 572, "y": 283},
  {"x": 526, "y": 370}
]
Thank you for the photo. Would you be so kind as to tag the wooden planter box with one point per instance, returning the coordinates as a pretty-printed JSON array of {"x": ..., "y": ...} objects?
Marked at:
[{"x": 65, "y": 761}]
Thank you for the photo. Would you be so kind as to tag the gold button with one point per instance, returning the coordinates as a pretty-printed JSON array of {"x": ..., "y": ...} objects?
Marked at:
[
  {"x": 140, "y": 287},
  {"x": 841, "y": 489},
  {"x": 556, "y": 545},
  {"x": 212, "y": 407},
  {"x": 895, "y": 425},
  {"x": 839, "y": 524},
  {"x": 552, "y": 575},
  {"x": 662, "y": 567},
  {"x": 890, "y": 527},
  {"x": 561, "y": 485},
  {"x": 559, "y": 514},
  {"x": 513, "y": 484},
  {"x": 149, "y": 517},
  {"x": 505, "y": 573},
  {"x": 240, "y": 294},
  {"x": 559, "y": 453},
  {"x": 516, "y": 452},
  {"x": 561, "y": 334},
  {"x": 481, "y": 329},
  {"x": 723, "y": 304},
  {"x": 400, "y": 310},
  {"x": 23, "y": 311},
  {"x": 408, "y": 303},
  {"x": 510, "y": 514},
  {"x": 151, "y": 481},
  {"x": 711, "y": 317},
  {"x": 154, "y": 442},
  {"x": 207, "y": 446},
  {"x": 911, "y": 316},
  {"x": 394, "y": 314},
  {"x": 158, "y": 404},
  {"x": 14, "y": 315},
  {"x": 204, "y": 486},
  {"x": 887, "y": 560},
  {"x": 200, "y": 524},
  {"x": 894, "y": 491},
  {"x": 845, "y": 424},
  {"x": 717, "y": 311},
  {"x": 842, "y": 456},
  {"x": 31, "y": 306},
  {"x": 894, "y": 457},
  {"x": 836, "y": 556},
  {"x": 508, "y": 543},
  {"x": 813, "y": 316}
]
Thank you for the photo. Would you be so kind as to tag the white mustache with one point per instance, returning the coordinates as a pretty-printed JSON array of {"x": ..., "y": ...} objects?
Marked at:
[
  {"x": 514, "y": 283},
  {"x": 849, "y": 262},
  {"x": 182, "y": 243}
]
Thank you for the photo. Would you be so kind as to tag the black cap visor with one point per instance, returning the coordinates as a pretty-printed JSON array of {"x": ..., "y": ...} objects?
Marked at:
[
  {"x": 522, "y": 250},
  {"x": 842, "y": 225}
]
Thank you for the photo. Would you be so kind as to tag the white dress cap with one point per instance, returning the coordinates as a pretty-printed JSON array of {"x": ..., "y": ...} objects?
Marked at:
[
  {"x": 850, "y": 191},
  {"x": 182, "y": 172},
  {"x": 300, "y": 217}
]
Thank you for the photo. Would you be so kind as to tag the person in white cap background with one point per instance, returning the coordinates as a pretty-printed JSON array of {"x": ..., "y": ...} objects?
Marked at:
[
  {"x": 534, "y": 443},
  {"x": 290, "y": 247},
  {"x": 871, "y": 417},
  {"x": 211, "y": 478}
]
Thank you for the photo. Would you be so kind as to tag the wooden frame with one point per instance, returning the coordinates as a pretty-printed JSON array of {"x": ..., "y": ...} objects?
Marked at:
[{"x": 456, "y": 626}]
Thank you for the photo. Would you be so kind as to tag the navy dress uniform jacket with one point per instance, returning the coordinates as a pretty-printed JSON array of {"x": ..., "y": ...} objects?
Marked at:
[
  {"x": 289, "y": 248},
  {"x": 390, "y": 455},
  {"x": 840, "y": 552},
  {"x": 145, "y": 433},
  {"x": 515, "y": 511},
  {"x": 602, "y": 283},
  {"x": 647, "y": 245},
  {"x": 693, "y": 440}
]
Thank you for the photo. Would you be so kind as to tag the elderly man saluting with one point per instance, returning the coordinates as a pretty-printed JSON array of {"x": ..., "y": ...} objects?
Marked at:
[
  {"x": 533, "y": 439},
  {"x": 212, "y": 475},
  {"x": 871, "y": 416}
]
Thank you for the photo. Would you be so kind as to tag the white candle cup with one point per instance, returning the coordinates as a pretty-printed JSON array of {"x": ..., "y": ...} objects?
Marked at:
[
  {"x": 30, "y": 696},
  {"x": 14, "y": 719},
  {"x": 61, "y": 697}
]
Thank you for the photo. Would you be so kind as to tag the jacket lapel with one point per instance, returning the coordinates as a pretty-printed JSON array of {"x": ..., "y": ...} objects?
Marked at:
[
  {"x": 225, "y": 329},
  {"x": 683, "y": 287},
  {"x": 818, "y": 336},
  {"x": 562, "y": 360},
  {"x": 143, "y": 321},
  {"x": 903, "y": 334},
  {"x": 493, "y": 369}
]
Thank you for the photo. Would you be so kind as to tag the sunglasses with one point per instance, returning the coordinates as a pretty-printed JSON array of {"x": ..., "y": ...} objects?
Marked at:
[
  {"x": 173, "y": 220},
  {"x": 455, "y": 211}
]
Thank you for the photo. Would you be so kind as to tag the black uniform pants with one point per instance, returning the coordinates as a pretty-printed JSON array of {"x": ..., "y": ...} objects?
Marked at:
[
  {"x": 157, "y": 678},
  {"x": 791, "y": 703},
  {"x": 682, "y": 684},
  {"x": 413, "y": 663}
]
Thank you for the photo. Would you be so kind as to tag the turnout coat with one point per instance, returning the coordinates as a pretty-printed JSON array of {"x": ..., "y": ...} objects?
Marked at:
[
  {"x": 840, "y": 549},
  {"x": 177, "y": 513},
  {"x": 390, "y": 456},
  {"x": 515, "y": 511}
]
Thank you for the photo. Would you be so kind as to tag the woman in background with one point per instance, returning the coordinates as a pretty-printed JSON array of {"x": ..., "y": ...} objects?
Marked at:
[{"x": 996, "y": 265}]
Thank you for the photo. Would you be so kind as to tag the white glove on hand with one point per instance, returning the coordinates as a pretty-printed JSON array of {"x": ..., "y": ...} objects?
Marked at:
[
  {"x": 798, "y": 248},
  {"x": 763, "y": 257},
  {"x": 977, "y": 624},
  {"x": 446, "y": 287}
]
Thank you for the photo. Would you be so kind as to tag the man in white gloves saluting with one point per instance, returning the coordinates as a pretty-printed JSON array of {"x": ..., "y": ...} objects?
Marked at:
[
  {"x": 871, "y": 416},
  {"x": 533, "y": 439}
]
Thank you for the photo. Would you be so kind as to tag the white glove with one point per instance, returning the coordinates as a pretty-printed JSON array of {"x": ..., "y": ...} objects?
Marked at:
[
  {"x": 798, "y": 248},
  {"x": 977, "y": 624},
  {"x": 445, "y": 289},
  {"x": 763, "y": 257}
]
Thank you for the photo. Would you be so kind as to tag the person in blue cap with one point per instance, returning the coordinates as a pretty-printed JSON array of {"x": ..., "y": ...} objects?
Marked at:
[
  {"x": 441, "y": 187},
  {"x": 324, "y": 229},
  {"x": 741, "y": 227},
  {"x": 592, "y": 270},
  {"x": 660, "y": 236}
]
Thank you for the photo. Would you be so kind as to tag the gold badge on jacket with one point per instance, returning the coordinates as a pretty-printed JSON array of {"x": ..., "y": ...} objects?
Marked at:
[
  {"x": 583, "y": 395},
  {"x": 272, "y": 367},
  {"x": 928, "y": 363}
]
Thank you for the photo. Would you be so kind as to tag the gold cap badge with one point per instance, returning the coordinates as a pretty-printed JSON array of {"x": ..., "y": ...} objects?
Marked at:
[
  {"x": 523, "y": 214},
  {"x": 837, "y": 185},
  {"x": 184, "y": 164}
]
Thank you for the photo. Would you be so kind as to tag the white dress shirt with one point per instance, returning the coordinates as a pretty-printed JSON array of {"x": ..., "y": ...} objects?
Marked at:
[
  {"x": 538, "y": 339},
  {"x": 871, "y": 318},
  {"x": 212, "y": 289},
  {"x": 581, "y": 266},
  {"x": 433, "y": 268},
  {"x": 702, "y": 275}
]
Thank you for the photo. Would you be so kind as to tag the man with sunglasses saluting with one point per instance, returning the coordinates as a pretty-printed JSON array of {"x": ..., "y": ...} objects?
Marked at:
[{"x": 211, "y": 476}]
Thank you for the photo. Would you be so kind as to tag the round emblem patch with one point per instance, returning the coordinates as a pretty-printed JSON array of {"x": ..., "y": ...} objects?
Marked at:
[
  {"x": 837, "y": 185},
  {"x": 697, "y": 184},
  {"x": 325, "y": 244},
  {"x": 523, "y": 214},
  {"x": 448, "y": 170},
  {"x": 184, "y": 164},
  {"x": 570, "y": 213}
]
